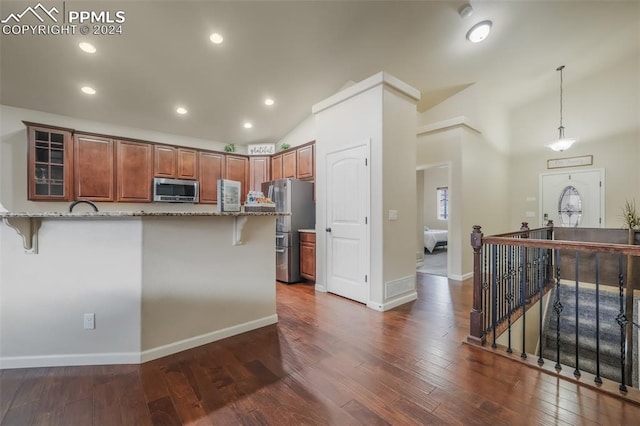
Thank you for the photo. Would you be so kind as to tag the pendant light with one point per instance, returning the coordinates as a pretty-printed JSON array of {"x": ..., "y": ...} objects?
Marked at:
[{"x": 562, "y": 143}]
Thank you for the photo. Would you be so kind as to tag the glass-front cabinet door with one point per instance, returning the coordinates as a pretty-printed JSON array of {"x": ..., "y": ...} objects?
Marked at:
[{"x": 49, "y": 163}]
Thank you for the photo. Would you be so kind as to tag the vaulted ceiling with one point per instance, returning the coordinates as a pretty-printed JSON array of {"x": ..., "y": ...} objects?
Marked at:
[{"x": 298, "y": 53}]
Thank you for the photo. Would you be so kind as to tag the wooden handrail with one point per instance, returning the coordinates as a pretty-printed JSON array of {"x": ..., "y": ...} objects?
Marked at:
[{"x": 565, "y": 245}]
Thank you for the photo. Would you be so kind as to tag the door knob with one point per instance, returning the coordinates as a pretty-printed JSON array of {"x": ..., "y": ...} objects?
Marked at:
[{"x": 328, "y": 229}]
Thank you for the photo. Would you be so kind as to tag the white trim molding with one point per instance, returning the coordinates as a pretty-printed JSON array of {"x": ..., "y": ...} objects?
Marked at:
[{"x": 460, "y": 121}]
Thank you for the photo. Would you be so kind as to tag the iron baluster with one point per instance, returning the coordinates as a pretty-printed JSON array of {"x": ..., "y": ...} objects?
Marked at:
[
  {"x": 509, "y": 298},
  {"x": 523, "y": 295},
  {"x": 557, "y": 306},
  {"x": 576, "y": 372},
  {"x": 494, "y": 311},
  {"x": 541, "y": 292},
  {"x": 622, "y": 322},
  {"x": 598, "y": 379}
]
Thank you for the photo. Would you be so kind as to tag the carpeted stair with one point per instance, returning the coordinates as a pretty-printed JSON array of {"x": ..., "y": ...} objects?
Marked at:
[{"x": 609, "y": 331}]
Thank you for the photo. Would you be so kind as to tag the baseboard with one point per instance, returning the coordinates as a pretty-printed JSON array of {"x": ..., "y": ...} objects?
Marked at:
[
  {"x": 409, "y": 297},
  {"x": 133, "y": 357},
  {"x": 192, "y": 342},
  {"x": 69, "y": 359},
  {"x": 460, "y": 277}
]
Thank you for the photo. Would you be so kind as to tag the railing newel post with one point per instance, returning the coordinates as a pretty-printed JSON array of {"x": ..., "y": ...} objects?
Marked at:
[{"x": 477, "y": 327}]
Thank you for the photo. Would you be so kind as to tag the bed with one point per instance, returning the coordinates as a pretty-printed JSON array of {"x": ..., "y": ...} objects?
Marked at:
[{"x": 434, "y": 238}]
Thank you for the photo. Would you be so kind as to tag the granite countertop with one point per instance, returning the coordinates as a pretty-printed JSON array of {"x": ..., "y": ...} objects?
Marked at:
[
  {"x": 131, "y": 214},
  {"x": 311, "y": 231}
]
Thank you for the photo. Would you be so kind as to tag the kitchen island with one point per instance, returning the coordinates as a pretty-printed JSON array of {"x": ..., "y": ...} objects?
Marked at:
[{"x": 155, "y": 283}]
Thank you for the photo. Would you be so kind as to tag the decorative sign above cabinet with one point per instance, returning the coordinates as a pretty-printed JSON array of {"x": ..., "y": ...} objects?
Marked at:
[{"x": 261, "y": 149}]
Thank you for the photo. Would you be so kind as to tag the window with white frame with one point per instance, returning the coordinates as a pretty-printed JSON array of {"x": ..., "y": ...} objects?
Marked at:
[{"x": 442, "y": 203}]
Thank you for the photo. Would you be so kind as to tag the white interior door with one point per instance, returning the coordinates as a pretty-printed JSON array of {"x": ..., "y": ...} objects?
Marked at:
[
  {"x": 573, "y": 199},
  {"x": 347, "y": 242}
]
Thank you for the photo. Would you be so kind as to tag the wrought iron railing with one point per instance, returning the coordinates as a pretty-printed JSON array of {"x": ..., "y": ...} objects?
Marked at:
[{"x": 514, "y": 270}]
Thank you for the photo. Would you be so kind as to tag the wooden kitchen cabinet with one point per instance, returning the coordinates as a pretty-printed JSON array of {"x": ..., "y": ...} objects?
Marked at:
[
  {"x": 237, "y": 168},
  {"x": 308, "y": 255},
  {"x": 305, "y": 162},
  {"x": 94, "y": 173},
  {"x": 134, "y": 171},
  {"x": 177, "y": 163},
  {"x": 165, "y": 161},
  {"x": 259, "y": 168},
  {"x": 187, "y": 164},
  {"x": 211, "y": 167},
  {"x": 276, "y": 167},
  {"x": 289, "y": 168},
  {"x": 50, "y": 161}
]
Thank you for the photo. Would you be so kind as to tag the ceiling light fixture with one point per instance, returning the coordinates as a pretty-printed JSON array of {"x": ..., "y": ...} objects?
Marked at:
[
  {"x": 216, "y": 38},
  {"x": 88, "y": 90},
  {"x": 479, "y": 31},
  {"x": 562, "y": 143},
  {"x": 269, "y": 102},
  {"x": 247, "y": 125},
  {"x": 181, "y": 110},
  {"x": 87, "y": 47},
  {"x": 465, "y": 10}
]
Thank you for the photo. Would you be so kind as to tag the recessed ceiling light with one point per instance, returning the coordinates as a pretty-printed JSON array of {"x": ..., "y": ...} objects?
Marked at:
[
  {"x": 269, "y": 102},
  {"x": 247, "y": 125},
  {"x": 89, "y": 90},
  {"x": 216, "y": 38},
  {"x": 87, "y": 47},
  {"x": 181, "y": 110},
  {"x": 479, "y": 31}
]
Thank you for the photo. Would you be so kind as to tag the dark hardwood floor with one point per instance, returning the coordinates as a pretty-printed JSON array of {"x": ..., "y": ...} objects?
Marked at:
[{"x": 327, "y": 361}]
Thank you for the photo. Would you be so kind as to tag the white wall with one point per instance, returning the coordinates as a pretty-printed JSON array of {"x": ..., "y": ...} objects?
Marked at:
[
  {"x": 82, "y": 267},
  {"x": 195, "y": 282},
  {"x": 603, "y": 111},
  {"x": 419, "y": 214},
  {"x": 479, "y": 181},
  {"x": 301, "y": 134},
  {"x": 13, "y": 158},
  {"x": 434, "y": 178},
  {"x": 156, "y": 286},
  {"x": 372, "y": 111}
]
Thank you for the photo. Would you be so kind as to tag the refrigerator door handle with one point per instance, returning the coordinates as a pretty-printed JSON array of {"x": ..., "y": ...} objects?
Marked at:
[{"x": 279, "y": 250}]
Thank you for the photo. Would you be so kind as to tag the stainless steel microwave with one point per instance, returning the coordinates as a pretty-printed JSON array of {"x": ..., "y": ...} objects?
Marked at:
[{"x": 175, "y": 190}]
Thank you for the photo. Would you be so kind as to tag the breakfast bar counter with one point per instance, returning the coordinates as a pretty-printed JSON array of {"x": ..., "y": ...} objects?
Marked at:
[{"x": 155, "y": 282}]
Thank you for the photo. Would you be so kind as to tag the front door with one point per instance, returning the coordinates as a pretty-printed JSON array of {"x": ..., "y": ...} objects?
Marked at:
[
  {"x": 573, "y": 199},
  {"x": 348, "y": 187}
]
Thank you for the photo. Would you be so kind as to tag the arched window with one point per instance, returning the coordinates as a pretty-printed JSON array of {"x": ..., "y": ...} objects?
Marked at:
[{"x": 570, "y": 207}]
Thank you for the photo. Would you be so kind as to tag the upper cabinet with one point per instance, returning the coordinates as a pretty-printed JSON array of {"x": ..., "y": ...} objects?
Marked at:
[
  {"x": 64, "y": 165},
  {"x": 289, "y": 168},
  {"x": 134, "y": 171},
  {"x": 165, "y": 161},
  {"x": 93, "y": 168},
  {"x": 305, "y": 162},
  {"x": 49, "y": 163},
  {"x": 258, "y": 172},
  {"x": 237, "y": 168},
  {"x": 187, "y": 164},
  {"x": 276, "y": 167},
  {"x": 295, "y": 163},
  {"x": 172, "y": 162},
  {"x": 211, "y": 166}
]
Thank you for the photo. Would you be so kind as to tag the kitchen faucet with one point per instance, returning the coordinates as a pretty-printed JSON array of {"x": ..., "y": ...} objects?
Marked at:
[{"x": 95, "y": 208}]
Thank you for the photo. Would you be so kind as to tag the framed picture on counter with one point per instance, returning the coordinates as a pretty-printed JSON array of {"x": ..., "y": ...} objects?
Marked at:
[{"x": 229, "y": 192}]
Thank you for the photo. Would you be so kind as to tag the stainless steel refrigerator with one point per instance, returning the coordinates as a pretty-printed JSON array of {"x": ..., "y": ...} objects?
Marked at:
[{"x": 294, "y": 196}]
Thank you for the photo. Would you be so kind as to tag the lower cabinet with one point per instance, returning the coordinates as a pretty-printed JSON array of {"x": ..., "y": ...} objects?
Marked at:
[{"x": 308, "y": 255}]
